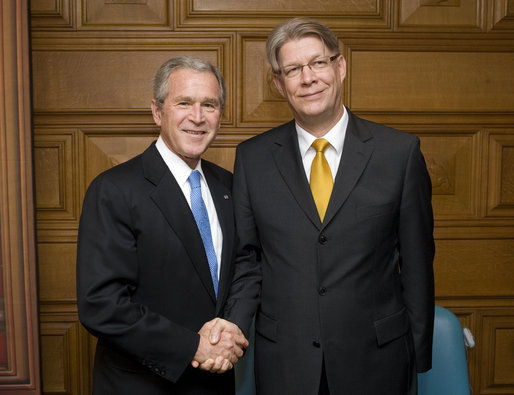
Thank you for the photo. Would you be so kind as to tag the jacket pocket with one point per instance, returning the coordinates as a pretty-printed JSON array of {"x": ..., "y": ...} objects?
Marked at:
[
  {"x": 392, "y": 327},
  {"x": 266, "y": 326},
  {"x": 375, "y": 210}
]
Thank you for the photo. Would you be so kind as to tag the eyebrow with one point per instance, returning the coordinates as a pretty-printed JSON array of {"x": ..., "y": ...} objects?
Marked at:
[
  {"x": 298, "y": 63},
  {"x": 205, "y": 99}
]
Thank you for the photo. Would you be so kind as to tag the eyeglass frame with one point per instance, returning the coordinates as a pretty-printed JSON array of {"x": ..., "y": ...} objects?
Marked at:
[{"x": 330, "y": 59}]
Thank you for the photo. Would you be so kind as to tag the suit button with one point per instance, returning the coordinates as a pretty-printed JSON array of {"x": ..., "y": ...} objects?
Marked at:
[
  {"x": 322, "y": 291},
  {"x": 323, "y": 239},
  {"x": 316, "y": 343}
]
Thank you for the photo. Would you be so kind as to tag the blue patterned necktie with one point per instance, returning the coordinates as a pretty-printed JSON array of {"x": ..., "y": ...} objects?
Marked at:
[{"x": 202, "y": 221}]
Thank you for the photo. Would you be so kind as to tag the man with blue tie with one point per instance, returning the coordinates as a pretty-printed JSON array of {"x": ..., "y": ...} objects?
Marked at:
[{"x": 156, "y": 247}]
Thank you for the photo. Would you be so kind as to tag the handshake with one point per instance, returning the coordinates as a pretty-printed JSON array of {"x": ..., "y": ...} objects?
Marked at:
[{"x": 221, "y": 345}]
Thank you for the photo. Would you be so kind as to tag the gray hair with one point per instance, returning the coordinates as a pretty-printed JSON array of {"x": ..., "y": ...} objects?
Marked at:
[
  {"x": 294, "y": 29},
  {"x": 160, "y": 82}
]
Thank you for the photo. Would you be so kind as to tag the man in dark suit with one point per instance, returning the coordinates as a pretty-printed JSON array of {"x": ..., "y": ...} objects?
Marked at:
[
  {"x": 156, "y": 250},
  {"x": 335, "y": 226}
]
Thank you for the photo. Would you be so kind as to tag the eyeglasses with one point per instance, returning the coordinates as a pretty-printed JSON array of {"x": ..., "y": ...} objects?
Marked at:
[{"x": 316, "y": 65}]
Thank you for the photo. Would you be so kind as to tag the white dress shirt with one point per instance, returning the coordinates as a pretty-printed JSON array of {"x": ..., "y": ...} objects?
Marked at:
[
  {"x": 181, "y": 171},
  {"x": 333, "y": 152}
]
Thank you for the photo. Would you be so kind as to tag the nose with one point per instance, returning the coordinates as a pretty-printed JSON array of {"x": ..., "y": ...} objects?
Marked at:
[
  {"x": 307, "y": 75},
  {"x": 196, "y": 114}
]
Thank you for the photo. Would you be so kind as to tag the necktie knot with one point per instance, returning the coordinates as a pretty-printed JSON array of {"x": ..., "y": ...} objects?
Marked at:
[
  {"x": 194, "y": 179},
  {"x": 320, "y": 145}
]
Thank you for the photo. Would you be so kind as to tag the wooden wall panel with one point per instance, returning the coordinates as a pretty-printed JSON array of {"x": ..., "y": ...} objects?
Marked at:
[
  {"x": 451, "y": 158},
  {"x": 502, "y": 15},
  {"x": 56, "y": 177},
  {"x": 210, "y": 14},
  {"x": 496, "y": 375},
  {"x": 66, "y": 367},
  {"x": 104, "y": 151},
  {"x": 139, "y": 14},
  {"x": 108, "y": 75},
  {"x": 504, "y": 341},
  {"x": 474, "y": 268},
  {"x": 57, "y": 183},
  {"x": 351, "y": 8},
  {"x": 441, "y": 15},
  {"x": 97, "y": 80},
  {"x": 500, "y": 200},
  {"x": 439, "y": 69},
  {"x": 52, "y": 14},
  {"x": 223, "y": 156},
  {"x": 419, "y": 81},
  {"x": 260, "y": 101},
  {"x": 57, "y": 272}
]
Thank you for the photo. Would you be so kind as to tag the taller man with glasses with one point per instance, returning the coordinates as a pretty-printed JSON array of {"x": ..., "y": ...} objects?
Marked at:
[{"x": 334, "y": 222}]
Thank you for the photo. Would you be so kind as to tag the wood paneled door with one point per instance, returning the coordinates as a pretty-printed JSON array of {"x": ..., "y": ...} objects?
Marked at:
[{"x": 442, "y": 70}]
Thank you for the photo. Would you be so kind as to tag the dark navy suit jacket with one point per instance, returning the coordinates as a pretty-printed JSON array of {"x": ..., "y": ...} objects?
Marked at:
[
  {"x": 357, "y": 290},
  {"x": 143, "y": 281}
]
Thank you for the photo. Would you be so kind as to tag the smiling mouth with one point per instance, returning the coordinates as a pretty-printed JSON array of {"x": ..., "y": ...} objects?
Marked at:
[
  {"x": 195, "y": 132},
  {"x": 313, "y": 94}
]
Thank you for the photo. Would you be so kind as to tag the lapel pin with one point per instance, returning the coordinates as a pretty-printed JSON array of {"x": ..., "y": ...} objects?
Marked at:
[{"x": 225, "y": 197}]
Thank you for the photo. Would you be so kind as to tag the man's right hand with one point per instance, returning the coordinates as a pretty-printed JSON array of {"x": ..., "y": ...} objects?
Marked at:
[{"x": 221, "y": 345}]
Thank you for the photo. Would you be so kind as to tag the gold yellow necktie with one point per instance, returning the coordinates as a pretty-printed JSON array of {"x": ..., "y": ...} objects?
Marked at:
[{"x": 321, "y": 177}]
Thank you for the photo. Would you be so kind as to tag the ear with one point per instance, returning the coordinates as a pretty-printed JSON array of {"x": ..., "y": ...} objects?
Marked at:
[
  {"x": 219, "y": 121},
  {"x": 156, "y": 112},
  {"x": 278, "y": 84},
  {"x": 342, "y": 67}
]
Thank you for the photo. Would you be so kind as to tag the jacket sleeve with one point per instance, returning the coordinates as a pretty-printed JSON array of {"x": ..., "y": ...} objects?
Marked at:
[
  {"x": 417, "y": 254},
  {"x": 244, "y": 296}
]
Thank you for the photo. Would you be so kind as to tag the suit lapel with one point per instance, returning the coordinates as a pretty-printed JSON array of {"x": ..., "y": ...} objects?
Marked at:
[
  {"x": 356, "y": 154},
  {"x": 290, "y": 166},
  {"x": 222, "y": 198},
  {"x": 171, "y": 201}
]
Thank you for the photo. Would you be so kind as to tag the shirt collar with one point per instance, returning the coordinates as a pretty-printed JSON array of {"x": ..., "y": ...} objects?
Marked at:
[
  {"x": 334, "y": 136},
  {"x": 177, "y": 166}
]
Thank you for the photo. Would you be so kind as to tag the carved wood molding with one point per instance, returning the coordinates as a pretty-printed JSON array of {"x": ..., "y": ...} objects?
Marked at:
[
  {"x": 501, "y": 17},
  {"x": 265, "y": 14},
  {"x": 19, "y": 353}
]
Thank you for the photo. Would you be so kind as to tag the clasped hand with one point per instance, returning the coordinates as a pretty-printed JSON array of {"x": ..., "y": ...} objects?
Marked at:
[{"x": 221, "y": 345}]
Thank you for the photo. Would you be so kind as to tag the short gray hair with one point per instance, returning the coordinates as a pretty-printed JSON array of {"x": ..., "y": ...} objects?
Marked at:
[
  {"x": 160, "y": 82},
  {"x": 294, "y": 29}
]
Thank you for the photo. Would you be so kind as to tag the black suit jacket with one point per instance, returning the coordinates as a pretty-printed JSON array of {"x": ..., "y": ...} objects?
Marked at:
[
  {"x": 356, "y": 290},
  {"x": 143, "y": 281}
]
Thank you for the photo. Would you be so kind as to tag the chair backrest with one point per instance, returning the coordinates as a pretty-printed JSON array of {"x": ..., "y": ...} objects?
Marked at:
[{"x": 449, "y": 373}]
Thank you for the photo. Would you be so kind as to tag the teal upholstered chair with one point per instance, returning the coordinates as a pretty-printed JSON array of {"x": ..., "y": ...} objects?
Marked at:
[
  {"x": 245, "y": 379},
  {"x": 449, "y": 373}
]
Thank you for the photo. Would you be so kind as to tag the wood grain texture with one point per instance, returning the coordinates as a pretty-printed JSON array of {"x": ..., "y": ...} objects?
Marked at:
[
  {"x": 419, "y": 81},
  {"x": 19, "y": 332},
  {"x": 441, "y": 70}
]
